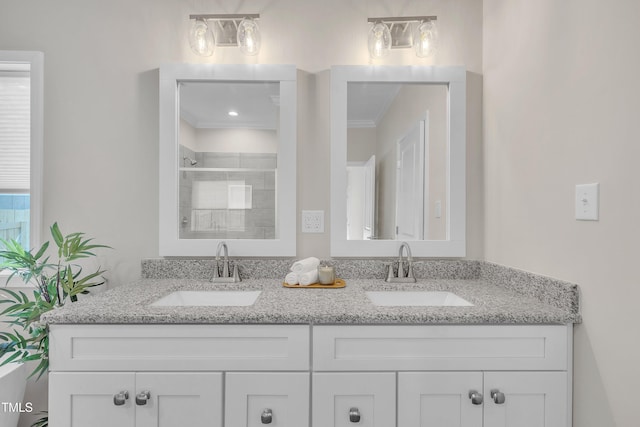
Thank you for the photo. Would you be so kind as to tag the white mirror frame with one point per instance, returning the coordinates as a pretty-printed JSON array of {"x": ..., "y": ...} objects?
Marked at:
[
  {"x": 169, "y": 242},
  {"x": 455, "y": 79}
]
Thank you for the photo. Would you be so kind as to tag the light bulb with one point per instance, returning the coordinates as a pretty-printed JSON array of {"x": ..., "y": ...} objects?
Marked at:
[
  {"x": 379, "y": 40},
  {"x": 426, "y": 39},
  {"x": 201, "y": 38},
  {"x": 249, "y": 37}
]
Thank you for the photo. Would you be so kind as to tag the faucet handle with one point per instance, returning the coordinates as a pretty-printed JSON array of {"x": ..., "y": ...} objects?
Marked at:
[
  {"x": 216, "y": 270},
  {"x": 390, "y": 272}
]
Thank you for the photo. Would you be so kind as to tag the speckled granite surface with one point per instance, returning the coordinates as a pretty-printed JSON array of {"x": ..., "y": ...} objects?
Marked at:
[
  {"x": 493, "y": 304},
  {"x": 202, "y": 269},
  {"x": 550, "y": 291}
]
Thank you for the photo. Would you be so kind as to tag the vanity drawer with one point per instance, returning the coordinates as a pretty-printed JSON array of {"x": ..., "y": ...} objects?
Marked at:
[
  {"x": 441, "y": 347},
  {"x": 179, "y": 347}
]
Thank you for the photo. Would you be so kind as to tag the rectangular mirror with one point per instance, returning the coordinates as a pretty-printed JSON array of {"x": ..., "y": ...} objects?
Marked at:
[
  {"x": 396, "y": 161},
  {"x": 228, "y": 138},
  {"x": 227, "y": 159},
  {"x": 397, "y": 155}
]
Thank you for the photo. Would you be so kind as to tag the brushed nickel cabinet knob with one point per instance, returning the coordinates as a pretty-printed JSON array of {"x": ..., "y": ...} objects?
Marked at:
[
  {"x": 143, "y": 397},
  {"x": 476, "y": 398},
  {"x": 354, "y": 415},
  {"x": 497, "y": 396},
  {"x": 120, "y": 399},
  {"x": 267, "y": 416}
]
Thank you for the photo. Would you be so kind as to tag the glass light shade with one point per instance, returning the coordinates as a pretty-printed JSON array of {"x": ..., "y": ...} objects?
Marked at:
[
  {"x": 379, "y": 40},
  {"x": 201, "y": 38},
  {"x": 249, "y": 37},
  {"x": 426, "y": 39}
]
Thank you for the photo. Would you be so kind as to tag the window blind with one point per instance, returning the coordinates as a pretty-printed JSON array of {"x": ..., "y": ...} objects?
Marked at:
[{"x": 15, "y": 131}]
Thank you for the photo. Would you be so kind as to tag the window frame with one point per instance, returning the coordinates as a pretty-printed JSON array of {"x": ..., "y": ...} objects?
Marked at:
[{"x": 35, "y": 60}]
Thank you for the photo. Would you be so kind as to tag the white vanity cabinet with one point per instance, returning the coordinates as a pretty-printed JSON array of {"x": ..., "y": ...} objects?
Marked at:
[
  {"x": 365, "y": 399},
  {"x": 277, "y": 399},
  {"x": 530, "y": 399},
  {"x": 462, "y": 376},
  {"x": 302, "y": 375},
  {"x": 149, "y": 399},
  {"x": 440, "y": 398},
  {"x": 476, "y": 399},
  {"x": 178, "y": 375}
]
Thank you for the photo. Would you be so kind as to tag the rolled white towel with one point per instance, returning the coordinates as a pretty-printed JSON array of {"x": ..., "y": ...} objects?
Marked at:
[
  {"x": 305, "y": 265},
  {"x": 308, "y": 278},
  {"x": 291, "y": 278}
]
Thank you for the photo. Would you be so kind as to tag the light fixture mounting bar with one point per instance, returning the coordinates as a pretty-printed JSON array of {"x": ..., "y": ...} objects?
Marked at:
[
  {"x": 225, "y": 26},
  {"x": 402, "y": 28},
  {"x": 393, "y": 19},
  {"x": 227, "y": 16}
]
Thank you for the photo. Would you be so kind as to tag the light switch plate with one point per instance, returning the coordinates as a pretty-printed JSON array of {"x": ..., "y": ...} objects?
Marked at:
[
  {"x": 313, "y": 221},
  {"x": 587, "y": 202},
  {"x": 438, "y": 209}
]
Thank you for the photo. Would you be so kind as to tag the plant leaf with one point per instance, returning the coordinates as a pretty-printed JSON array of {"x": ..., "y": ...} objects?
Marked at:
[
  {"x": 42, "y": 250},
  {"x": 57, "y": 235}
]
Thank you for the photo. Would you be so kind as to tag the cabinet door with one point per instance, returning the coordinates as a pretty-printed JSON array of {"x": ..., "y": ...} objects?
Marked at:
[
  {"x": 178, "y": 399},
  {"x": 91, "y": 399},
  {"x": 442, "y": 399},
  {"x": 348, "y": 399},
  {"x": 278, "y": 399},
  {"x": 526, "y": 399}
]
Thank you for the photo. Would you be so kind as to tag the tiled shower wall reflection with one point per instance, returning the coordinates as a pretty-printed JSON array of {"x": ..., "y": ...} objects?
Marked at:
[{"x": 254, "y": 172}]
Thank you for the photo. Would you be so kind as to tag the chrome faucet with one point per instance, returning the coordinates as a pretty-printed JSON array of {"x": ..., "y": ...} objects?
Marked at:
[
  {"x": 403, "y": 274},
  {"x": 224, "y": 276}
]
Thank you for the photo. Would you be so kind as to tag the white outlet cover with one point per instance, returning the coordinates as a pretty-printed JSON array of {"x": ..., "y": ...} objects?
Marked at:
[
  {"x": 587, "y": 202},
  {"x": 313, "y": 221}
]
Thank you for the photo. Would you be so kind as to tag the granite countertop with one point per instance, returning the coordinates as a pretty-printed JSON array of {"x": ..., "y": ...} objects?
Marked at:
[{"x": 492, "y": 304}]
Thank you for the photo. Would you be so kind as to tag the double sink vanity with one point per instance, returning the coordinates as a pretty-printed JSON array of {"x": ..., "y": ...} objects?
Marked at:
[
  {"x": 468, "y": 344},
  {"x": 474, "y": 344}
]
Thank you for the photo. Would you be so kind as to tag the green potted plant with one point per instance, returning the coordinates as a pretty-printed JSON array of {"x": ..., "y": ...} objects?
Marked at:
[{"x": 55, "y": 282}]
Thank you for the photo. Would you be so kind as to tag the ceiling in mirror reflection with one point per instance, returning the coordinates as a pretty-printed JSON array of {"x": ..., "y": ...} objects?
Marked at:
[
  {"x": 206, "y": 105},
  {"x": 368, "y": 102}
]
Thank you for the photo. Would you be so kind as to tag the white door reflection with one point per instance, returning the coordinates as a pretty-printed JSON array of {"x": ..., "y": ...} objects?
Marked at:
[
  {"x": 410, "y": 184},
  {"x": 361, "y": 198}
]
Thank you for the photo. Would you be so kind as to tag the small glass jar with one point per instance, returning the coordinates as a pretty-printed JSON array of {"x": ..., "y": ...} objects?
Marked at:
[{"x": 326, "y": 275}]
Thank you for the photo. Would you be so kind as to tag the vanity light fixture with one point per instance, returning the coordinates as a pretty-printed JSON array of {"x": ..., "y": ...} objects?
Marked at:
[
  {"x": 201, "y": 38},
  {"x": 426, "y": 39},
  {"x": 379, "y": 40},
  {"x": 248, "y": 37},
  {"x": 388, "y": 33},
  {"x": 209, "y": 31},
  {"x": 233, "y": 113}
]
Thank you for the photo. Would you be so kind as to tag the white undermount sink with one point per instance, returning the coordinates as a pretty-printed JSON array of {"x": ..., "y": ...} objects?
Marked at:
[
  {"x": 416, "y": 298},
  {"x": 208, "y": 298}
]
